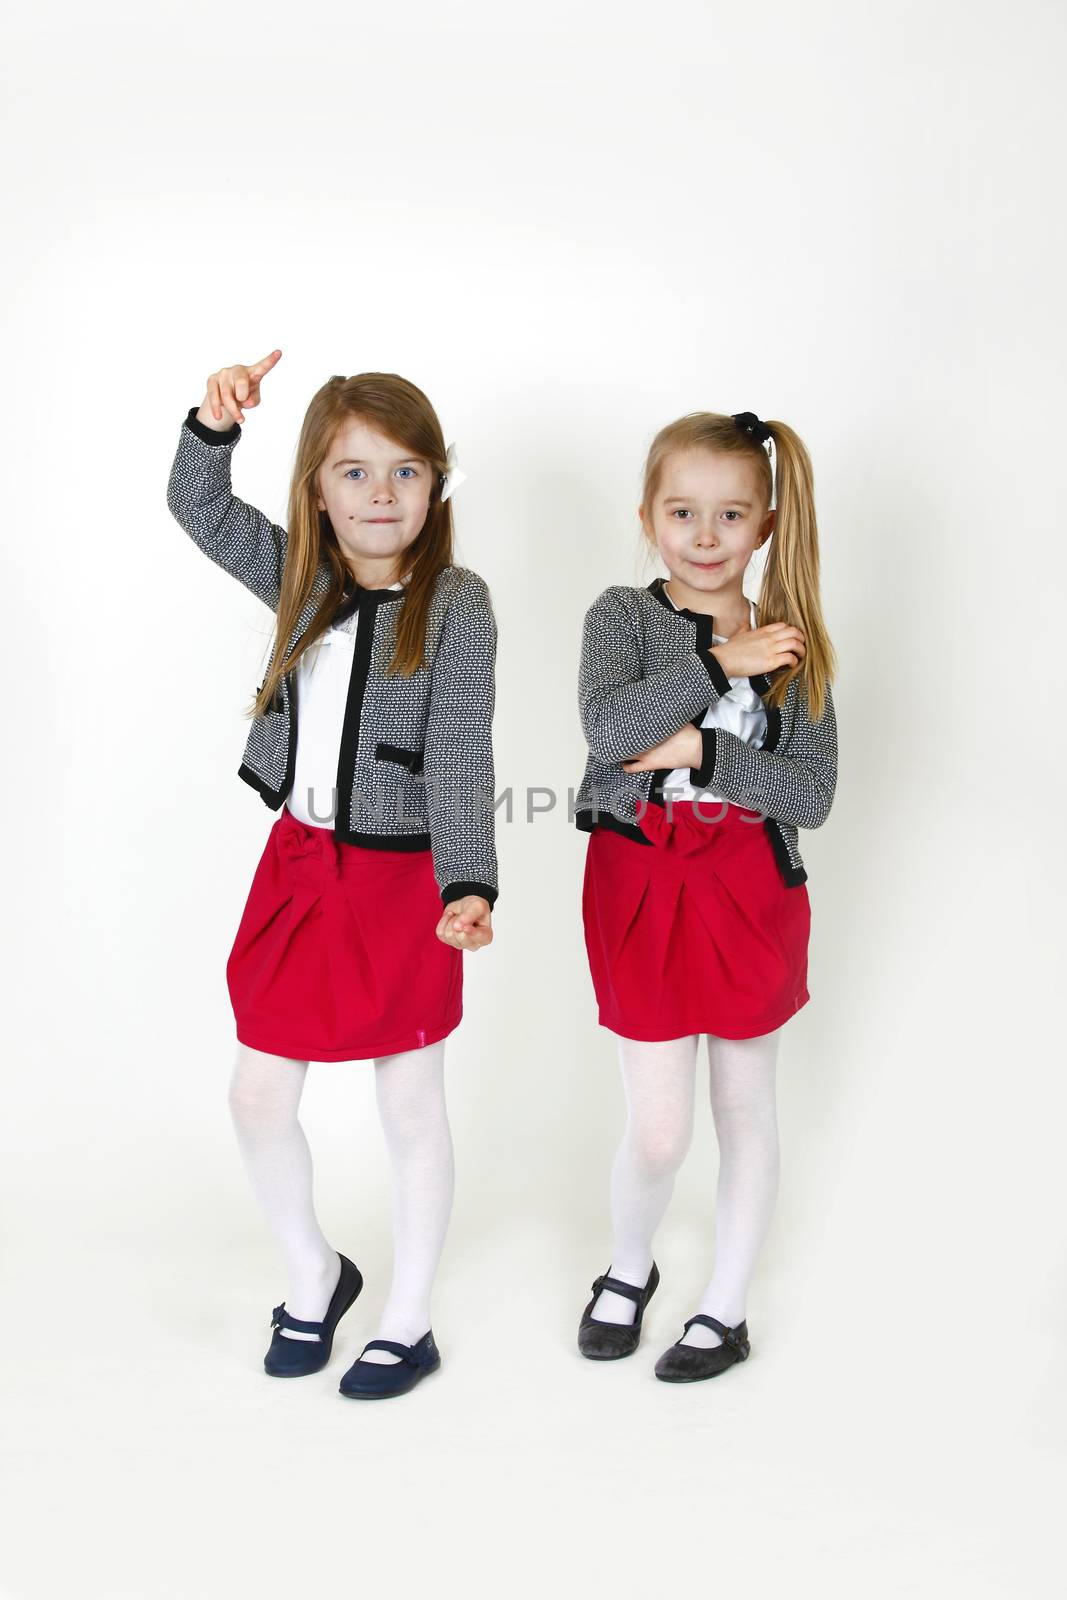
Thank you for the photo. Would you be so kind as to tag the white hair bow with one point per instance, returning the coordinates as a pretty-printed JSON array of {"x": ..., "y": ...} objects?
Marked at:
[
  {"x": 772, "y": 452},
  {"x": 453, "y": 477}
]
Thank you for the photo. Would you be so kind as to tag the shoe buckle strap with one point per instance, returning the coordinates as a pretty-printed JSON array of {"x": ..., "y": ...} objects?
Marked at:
[
  {"x": 280, "y": 1318},
  {"x": 629, "y": 1291},
  {"x": 727, "y": 1335},
  {"x": 404, "y": 1351}
]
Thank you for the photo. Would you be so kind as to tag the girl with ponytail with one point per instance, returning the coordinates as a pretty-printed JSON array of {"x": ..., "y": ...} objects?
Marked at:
[{"x": 712, "y": 739}]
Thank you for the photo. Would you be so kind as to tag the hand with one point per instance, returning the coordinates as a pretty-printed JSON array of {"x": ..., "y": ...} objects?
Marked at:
[
  {"x": 683, "y": 749},
  {"x": 467, "y": 923},
  {"x": 760, "y": 650},
  {"x": 231, "y": 390}
]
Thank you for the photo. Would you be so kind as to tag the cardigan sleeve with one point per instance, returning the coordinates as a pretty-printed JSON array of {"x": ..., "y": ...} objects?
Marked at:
[
  {"x": 458, "y": 753},
  {"x": 625, "y": 712},
  {"x": 795, "y": 784},
  {"x": 240, "y": 539}
]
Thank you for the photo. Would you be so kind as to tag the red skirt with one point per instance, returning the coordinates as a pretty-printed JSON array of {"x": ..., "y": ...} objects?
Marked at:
[
  {"x": 699, "y": 934},
  {"x": 336, "y": 957}
]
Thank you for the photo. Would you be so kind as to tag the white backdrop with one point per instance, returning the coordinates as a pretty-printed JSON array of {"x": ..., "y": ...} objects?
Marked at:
[{"x": 568, "y": 226}]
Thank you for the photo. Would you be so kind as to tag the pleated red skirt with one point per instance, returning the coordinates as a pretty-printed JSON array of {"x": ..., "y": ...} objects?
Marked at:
[
  {"x": 699, "y": 934},
  {"x": 336, "y": 957}
]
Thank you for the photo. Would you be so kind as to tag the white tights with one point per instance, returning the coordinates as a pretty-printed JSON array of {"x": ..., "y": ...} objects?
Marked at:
[
  {"x": 264, "y": 1099},
  {"x": 658, "y": 1081}
]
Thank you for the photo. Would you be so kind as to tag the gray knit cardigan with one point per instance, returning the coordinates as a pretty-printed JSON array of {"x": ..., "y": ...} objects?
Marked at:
[
  {"x": 415, "y": 765},
  {"x": 646, "y": 670}
]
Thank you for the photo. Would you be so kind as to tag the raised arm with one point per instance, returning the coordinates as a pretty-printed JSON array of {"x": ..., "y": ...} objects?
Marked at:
[
  {"x": 236, "y": 536},
  {"x": 240, "y": 539},
  {"x": 625, "y": 712},
  {"x": 458, "y": 752}
]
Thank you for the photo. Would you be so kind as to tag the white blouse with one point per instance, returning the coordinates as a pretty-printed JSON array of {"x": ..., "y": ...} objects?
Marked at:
[
  {"x": 323, "y": 674},
  {"x": 740, "y": 712}
]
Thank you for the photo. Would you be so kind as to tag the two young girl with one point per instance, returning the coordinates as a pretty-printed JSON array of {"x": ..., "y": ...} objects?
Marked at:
[{"x": 372, "y": 735}]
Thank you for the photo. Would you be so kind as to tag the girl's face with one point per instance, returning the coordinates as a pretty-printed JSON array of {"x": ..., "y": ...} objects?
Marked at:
[
  {"x": 376, "y": 496},
  {"x": 707, "y": 518}
]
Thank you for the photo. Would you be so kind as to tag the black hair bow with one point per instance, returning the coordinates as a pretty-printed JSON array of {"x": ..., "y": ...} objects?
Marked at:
[{"x": 748, "y": 422}]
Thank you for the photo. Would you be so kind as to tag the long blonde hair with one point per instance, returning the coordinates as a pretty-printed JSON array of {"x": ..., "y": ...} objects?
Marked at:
[
  {"x": 789, "y": 591},
  {"x": 400, "y": 411}
]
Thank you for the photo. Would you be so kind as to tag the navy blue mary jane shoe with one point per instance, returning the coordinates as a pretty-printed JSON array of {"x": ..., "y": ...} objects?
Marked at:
[
  {"x": 377, "y": 1380},
  {"x": 293, "y": 1358}
]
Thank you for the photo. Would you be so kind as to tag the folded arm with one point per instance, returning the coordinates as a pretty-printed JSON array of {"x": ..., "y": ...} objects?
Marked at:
[
  {"x": 795, "y": 784},
  {"x": 625, "y": 712}
]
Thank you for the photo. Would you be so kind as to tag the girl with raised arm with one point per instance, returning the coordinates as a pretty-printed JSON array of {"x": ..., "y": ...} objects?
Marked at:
[{"x": 371, "y": 737}]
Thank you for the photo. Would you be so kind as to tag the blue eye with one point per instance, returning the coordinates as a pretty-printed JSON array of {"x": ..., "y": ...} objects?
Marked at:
[
  {"x": 407, "y": 469},
  {"x": 350, "y": 471}
]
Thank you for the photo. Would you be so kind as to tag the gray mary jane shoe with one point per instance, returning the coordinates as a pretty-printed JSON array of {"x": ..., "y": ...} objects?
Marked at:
[
  {"x": 688, "y": 1363},
  {"x": 607, "y": 1341}
]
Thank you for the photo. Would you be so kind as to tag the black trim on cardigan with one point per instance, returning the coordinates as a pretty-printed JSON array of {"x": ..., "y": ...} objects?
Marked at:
[
  {"x": 357, "y": 683},
  {"x": 456, "y": 891},
  {"x": 793, "y": 876},
  {"x": 383, "y": 841},
  {"x": 716, "y": 671},
  {"x": 655, "y": 790},
  {"x": 271, "y": 797},
  {"x": 705, "y": 626},
  {"x": 211, "y": 435},
  {"x": 275, "y": 799},
  {"x": 588, "y": 821},
  {"x": 290, "y": 754},
  {"x": 700, "y": 777}
]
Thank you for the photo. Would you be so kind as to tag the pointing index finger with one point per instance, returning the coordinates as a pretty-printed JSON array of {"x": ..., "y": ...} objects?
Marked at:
[{"x": 264, "y": 366}]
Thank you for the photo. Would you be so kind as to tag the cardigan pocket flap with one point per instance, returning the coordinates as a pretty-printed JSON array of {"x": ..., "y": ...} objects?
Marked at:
[
  {"x": 277, "y": 702},
  {"x": 412, "y": 759}
]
